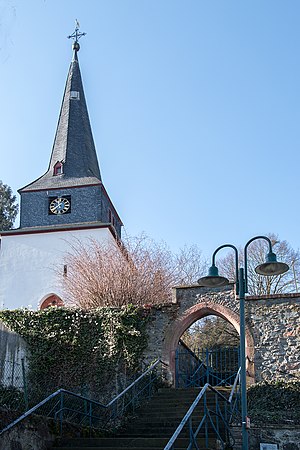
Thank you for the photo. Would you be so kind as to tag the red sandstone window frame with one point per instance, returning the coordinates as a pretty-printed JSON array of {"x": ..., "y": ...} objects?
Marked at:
[{"x": 52, "y": 300}]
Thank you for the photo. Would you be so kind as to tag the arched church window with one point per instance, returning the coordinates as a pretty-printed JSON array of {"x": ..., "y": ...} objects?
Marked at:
[
  {"x": 58, "y": 168},
  {"x": 52, "y": 300}
]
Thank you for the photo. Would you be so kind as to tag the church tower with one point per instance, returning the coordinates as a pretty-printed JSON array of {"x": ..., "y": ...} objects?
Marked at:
[
  {"x": 68, "y": 202},
  {"x": 71, "y": 191}
]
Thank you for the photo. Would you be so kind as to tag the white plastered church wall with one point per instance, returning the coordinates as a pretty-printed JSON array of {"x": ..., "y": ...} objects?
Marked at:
[{"x": 31, "y": 265}]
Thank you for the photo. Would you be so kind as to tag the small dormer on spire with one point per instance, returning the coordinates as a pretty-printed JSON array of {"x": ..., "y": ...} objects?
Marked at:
[{"x": 76, "y": 35}]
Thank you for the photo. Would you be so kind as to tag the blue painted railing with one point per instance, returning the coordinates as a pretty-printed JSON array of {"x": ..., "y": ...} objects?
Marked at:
[
  {"x": 215, "y": 422},
  {"x": 65, "y": 406},
  {"x": 195, "y": 368}
]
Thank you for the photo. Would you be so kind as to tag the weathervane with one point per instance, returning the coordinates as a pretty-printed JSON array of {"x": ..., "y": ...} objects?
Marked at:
[{"x": 76, "y": 35}]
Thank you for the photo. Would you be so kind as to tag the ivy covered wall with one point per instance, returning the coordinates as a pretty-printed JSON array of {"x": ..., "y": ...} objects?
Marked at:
[{"x": 83, "y": 351}]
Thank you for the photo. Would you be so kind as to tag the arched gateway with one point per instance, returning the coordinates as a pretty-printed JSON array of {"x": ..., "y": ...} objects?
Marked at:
[
  {"x": 272, "y": 328},
  {"x": 191, "y": 315}
]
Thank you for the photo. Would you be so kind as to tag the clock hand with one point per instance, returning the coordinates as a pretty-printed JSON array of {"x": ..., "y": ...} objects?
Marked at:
[{"x": 59, "y": 206}]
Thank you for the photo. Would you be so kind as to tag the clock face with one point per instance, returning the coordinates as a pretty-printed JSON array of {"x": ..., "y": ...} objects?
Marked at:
[{"x": 59, "y": 205}]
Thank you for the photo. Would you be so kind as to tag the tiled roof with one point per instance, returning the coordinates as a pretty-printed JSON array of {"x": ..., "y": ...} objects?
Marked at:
[
  {"x": 73, "y": 144},
  {"x": 58, "y": 182}
]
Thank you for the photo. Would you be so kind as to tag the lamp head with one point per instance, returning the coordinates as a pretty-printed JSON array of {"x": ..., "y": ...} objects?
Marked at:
[
  {"x": 271, "y": 266},
  {"x": 213, "y": 279}
]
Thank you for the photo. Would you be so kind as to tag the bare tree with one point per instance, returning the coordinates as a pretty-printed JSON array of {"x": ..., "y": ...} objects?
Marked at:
[
  {"x": 260, "y": 285},
  {"x": 190, "y": 264},
  {"x": 211, "y": 332},
  {"x": 136, "y": 272}
]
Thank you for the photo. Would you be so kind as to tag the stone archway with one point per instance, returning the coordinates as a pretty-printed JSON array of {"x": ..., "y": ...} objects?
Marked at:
[
  {"x": 51, "y": 300},
  {"x": 175, "y": 330},
  {"x": 272, "y": 328}
]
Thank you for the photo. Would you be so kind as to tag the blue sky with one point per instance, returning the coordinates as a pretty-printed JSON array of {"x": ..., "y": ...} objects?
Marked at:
[{"x": 194, "y": 108}]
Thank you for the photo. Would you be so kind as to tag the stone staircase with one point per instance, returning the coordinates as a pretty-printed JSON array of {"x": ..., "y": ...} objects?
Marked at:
[{"x": 153, "y": 425}]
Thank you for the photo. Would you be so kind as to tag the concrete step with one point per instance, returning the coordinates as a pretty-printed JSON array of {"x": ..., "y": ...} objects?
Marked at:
[
  {"x": 153, "y": 425},
  {"x": 211, "y": 446},
  {"x": 162, "y": 432},
  {"x": 190, "y": 391},
  {"x": 161, "y": 421},
  {"x": 167, "y": 417},
  {"x": 168, "y": 395},
  {"x": 170, "y": 402},
  {"x": 117, "y": 443},
  {"x": 162, "y": 435},
  {"x": 172, "y": 411}
]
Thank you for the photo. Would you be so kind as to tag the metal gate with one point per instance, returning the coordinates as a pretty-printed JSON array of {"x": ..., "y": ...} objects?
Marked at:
[{"x": 217, "y": 367}]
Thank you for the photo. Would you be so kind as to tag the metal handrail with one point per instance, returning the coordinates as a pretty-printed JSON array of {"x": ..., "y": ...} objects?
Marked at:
[
  {"x": 237, "y": 378},
  {"x": 185, "y": 418},
  {"x": 211, "y": 365},
  {"x": 135, "y": 381},
  {"x": 43, "y": 402},
  {"x": 60, "y": 392},
  {"x": 233, "y": 391},
  {"x": 198, "y": 368},
  {"x": 195, "y": 403}
]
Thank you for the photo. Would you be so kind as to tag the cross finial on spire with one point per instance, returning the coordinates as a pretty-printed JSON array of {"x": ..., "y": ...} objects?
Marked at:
[{"x": 76, "y": 35}]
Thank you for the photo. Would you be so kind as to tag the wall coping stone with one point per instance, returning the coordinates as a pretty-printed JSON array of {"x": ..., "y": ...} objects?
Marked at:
[
  {"x": 248, "y": 297},
  {"x": 273, "y": 296}
]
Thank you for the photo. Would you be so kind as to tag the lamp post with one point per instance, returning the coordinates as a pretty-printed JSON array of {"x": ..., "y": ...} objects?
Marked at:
[{"x": 270, "y": 267}]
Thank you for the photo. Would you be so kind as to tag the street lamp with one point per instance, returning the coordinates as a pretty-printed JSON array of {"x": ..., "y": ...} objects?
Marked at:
[{"x": 270, "y": 267}]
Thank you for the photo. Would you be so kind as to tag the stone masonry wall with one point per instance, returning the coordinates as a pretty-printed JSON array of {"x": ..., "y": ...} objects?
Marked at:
[
  {"x": 286, "y": 438},
  {"x": 275, "y": 322},
  {"x": 272, "y": 328}
]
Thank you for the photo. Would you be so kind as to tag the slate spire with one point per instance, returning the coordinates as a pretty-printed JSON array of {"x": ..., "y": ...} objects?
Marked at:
[{"x": 73, "y": 159}]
